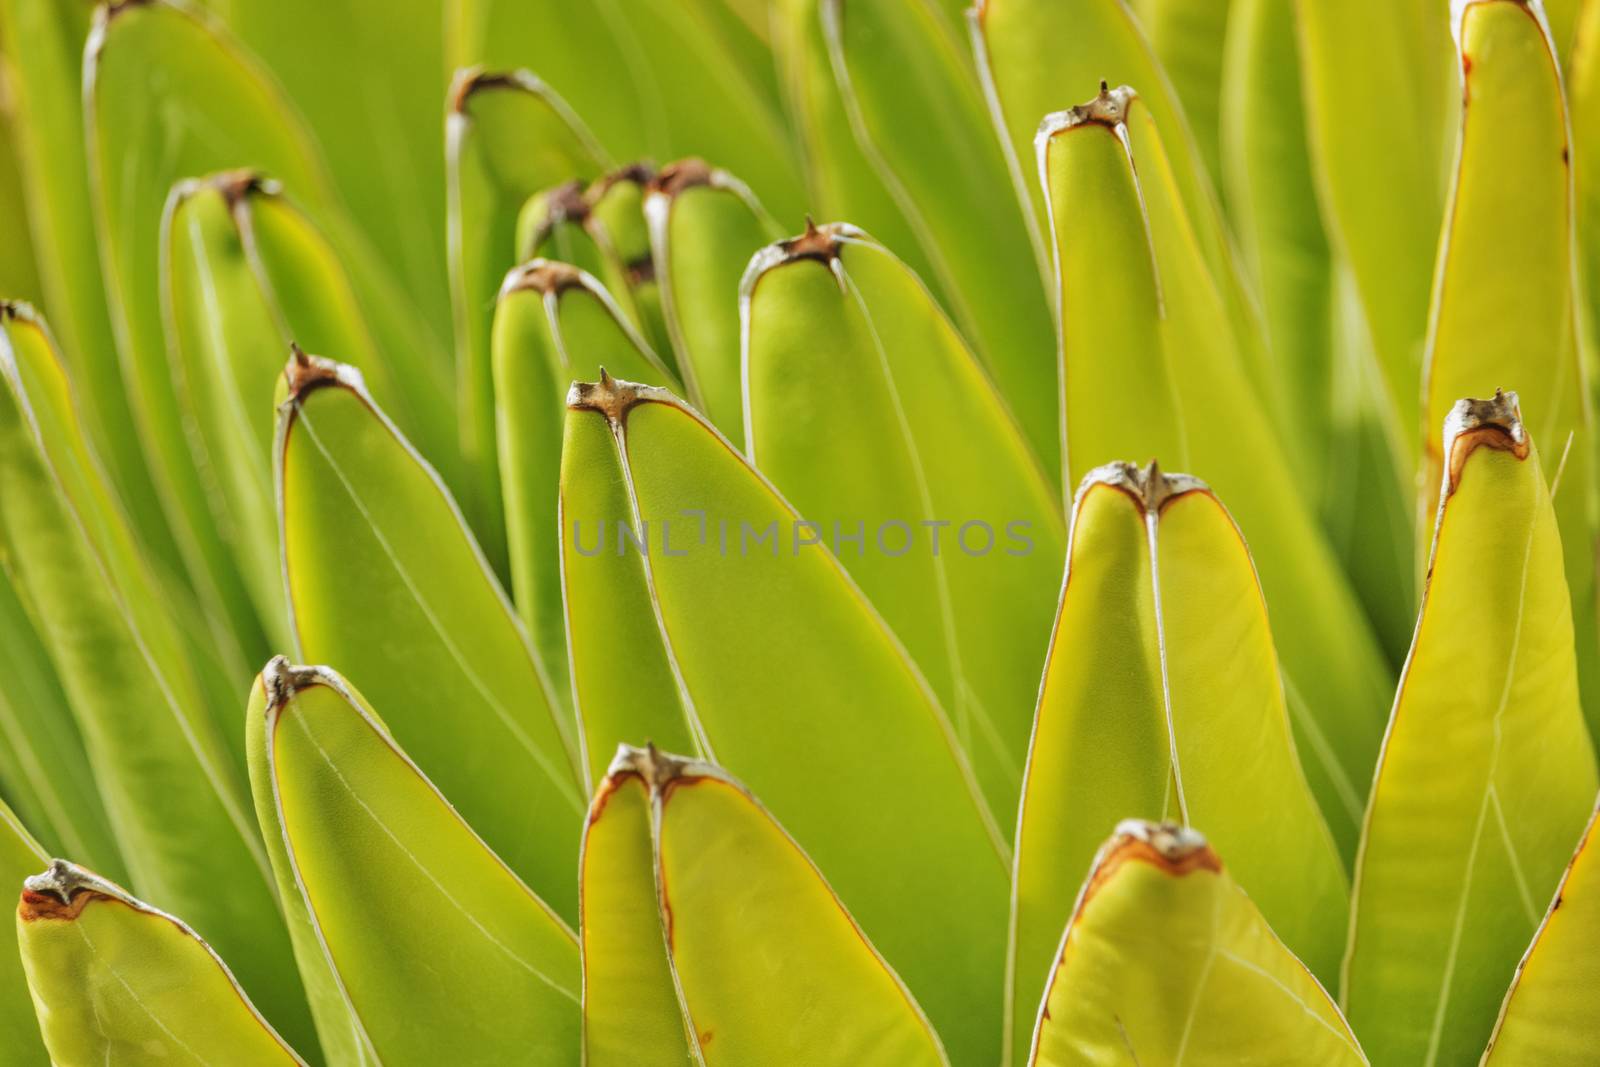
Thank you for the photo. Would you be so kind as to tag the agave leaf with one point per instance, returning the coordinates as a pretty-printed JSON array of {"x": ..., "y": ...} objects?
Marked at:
[
  {"x": 338, "y": 1030},
  {"x": 608, "y": 603},
  {"x": 730, "y": 879},
  {"x": 704, "y": 224},
  {"x": 553, "y": 323},
  {"x": 1378, "y": 178},
  {"x": 1583, "y": 100},
  {"x": 152, "y": 122},
  {"x": 842, "y": 180},
  {"x": 1547, "y": 1015},
  {"x": 631, "y": 1014},
  {"x": 1193, "y": 723},
  {"x": 1563, "y": 17},
  {"x": 437, "y": 944},
  {"x": 43, "y": 47},
  {"x": 1189, "y": 41},
  {"x": 156, "y": 754},
  {"x": 369, "y": 82},
  {"x": 919, "y": 117},
  {"x": 551, "y": 226},
  {"x": 1509, "y": 232},
  {"x": 1183, "y": 372},
  {"x": 1367, "y": 501},
  {"x": 1034, "y": 55},
  {"x": 819, "y": 663},
  {"x": 44, "y": 769},
  {"x": 1226, "y": 989},
  {"x": 506, "y": 138},
  {"x": 671, "y": 85},
  {"x": 957, "y": 536},
  {"x": 370, "y": 533},
  {"x": 19, "y": 272},
  {"x": 616, "y": 221},
  {"x": 1487, "y": 774},
  {"x": 20, "y": 856},
  {"x": 114, "y": 980}
]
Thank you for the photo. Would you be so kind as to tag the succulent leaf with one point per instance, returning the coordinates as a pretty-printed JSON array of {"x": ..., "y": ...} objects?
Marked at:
[
  {"x": 847, "y": 356},
  {"x": 1487, "y": 773},
  {"x": 1192, "y": 724},
  {"x": 369, "y": 534},
  {"x": 1225, "y": 990},
  {"x": 115, "y": 980},
  {"x": 20, "y": 856},
  {"x": 815, "y": 661},
  {"x": 437, "y": 945}
]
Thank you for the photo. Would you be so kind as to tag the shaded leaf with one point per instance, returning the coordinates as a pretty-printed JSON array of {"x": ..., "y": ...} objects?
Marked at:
[{"x": 20, "y": 857}]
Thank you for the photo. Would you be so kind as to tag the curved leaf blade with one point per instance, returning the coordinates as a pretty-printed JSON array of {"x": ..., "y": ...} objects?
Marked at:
[
  {"x": 20, "y": 857},
  {"x": 1487, "y": 773},
  {"x": 369, "y": 533}
]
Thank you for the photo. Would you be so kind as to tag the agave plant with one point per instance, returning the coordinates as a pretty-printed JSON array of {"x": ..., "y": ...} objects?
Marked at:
[{"x": 735, "y": 639}]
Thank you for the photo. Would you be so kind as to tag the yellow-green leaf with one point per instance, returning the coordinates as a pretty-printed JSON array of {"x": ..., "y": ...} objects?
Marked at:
[
  {"x": 616, "y": 221},
  {"x": 705, "y": 224},
  {"x": 1487, "y": 773},
  {"x": 1167, "y": 960},
  {"x": 1190, "y": 723},
  {"x": 821, "y": 693},
  {"x": 1548, "y": 1015},
  {"x": 369, "y": 533},
  {"x": 507, "y": 137},
  {"x": 955, "y": 537},
  {"x": 1133, "y": 285},
  {"x": 1509, "y": 232},
  {"x": 116, "y": 981},
  {"x": 152, "y": 739},
  {"x": 20, "y": 857},
  {"x": 553, "y": 323},
  {"x": 440, "y": 950}
]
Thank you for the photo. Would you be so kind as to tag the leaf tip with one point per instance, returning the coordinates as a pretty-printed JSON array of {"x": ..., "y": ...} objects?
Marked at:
[
  {"x": 61, "y": 891},
  {"x": 1109, "y": 108},
  {"x": 680, "y": 176},
  {"x": 1149, "y": 486},
  {"x": 548, "y": 277},
  {"x": 305, "y": 373},
  {"x": 613, "y": 397},
  {"x": 1495, "y": 422}
]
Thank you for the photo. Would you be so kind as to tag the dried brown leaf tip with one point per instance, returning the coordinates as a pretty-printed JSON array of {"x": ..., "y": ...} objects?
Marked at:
[
  {"x": 639, "y": 172},
  {"x": 1150, "y": 487},
  {"x": 283, "y": 680},
  {"x": 675, "y": 178},
  {"x": 546, "y": 276},
  {"x": 655, "y": 768},
  {"x": 613, "y": 398},
  {"x": 472, "y": 80},
  {"x": 62, "y": 891},
  {"x": 304, "y": 373},
  {"x": 1175, "y": 849},
  {"x": 1108, "y": 108},
  {"x": 1492, "y": 423}
]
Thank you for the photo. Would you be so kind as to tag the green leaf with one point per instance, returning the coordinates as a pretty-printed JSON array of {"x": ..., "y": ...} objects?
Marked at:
[
  {"x": 1367, "y": 500},
  {"x": 1166, "y": 960},
  {"x": 835, "y": 696},
  {"x": 1509, "y": 231},
  {"x": 1378, "y": 179},
  {"x": 1192, "y": 723},
  {"x": 152, "y": 121},
  {"x": 44, "y": 769},
  {"x": 1547, "y": 1015},
  {"x": 1189, "y": 42},
  {"x": 20, "y": 856},
  {"x": 704, "y": 226},
  {"x": 958, "y": 540},
  {"x": 116, "y": 981},
  {"x": 1487, "y": 774},
  {"x": 918, "y": 114},
  {"x": 369, "y": 82},
  {"x": 1153, "y": 368},
  {"x": 654, "y": 78},
  {"x": 631, "y": 1014},
  {"x": 553, "y": 323},
  {"x": 616, "y": 221},
  {"x": 770, "y": 965},
  {"x": 440, "y": 949},
  {"x": 551, "y": 226},
  {"x": 245, "y": 274},
  {"x": 369, "y": 533},
  {"x": 507, "y": 137},
  {"x": 155, "y": 749},
  {"x": 43, "y": 47}
]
